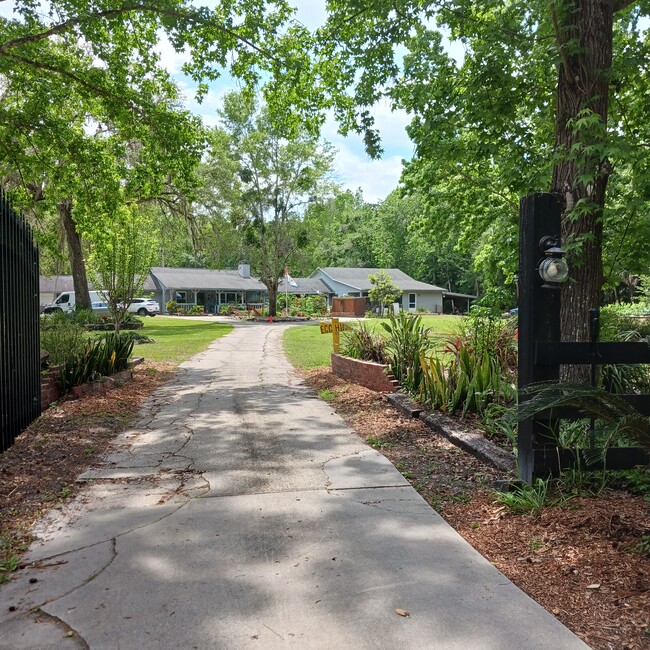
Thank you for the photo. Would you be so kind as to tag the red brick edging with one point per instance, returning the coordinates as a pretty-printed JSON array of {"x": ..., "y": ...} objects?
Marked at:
[{"x": 374, "y": 376}]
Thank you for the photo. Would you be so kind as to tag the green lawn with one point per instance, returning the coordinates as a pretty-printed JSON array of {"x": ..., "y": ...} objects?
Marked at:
[
  {"x": 307, "y": 348},
  {"x": 177, "y": 340}
]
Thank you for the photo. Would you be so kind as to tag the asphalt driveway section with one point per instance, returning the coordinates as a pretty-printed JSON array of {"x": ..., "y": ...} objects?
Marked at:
[{"x": 241, "y": 511}]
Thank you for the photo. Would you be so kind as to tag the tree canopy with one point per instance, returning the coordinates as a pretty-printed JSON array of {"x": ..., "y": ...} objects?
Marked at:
[
  {"x": 262, "y": 182},
  {"x": 547, "y": 96}
]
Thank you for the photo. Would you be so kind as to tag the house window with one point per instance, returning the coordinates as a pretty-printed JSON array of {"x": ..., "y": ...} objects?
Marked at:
[
  {"x": 412, "y": 302},
  {"x": 181, "y": 297}
]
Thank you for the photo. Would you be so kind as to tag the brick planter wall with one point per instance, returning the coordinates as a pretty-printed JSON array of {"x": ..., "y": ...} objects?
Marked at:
[
  {"x": 366, "y": 373},
  {"x": 51, "y": 386}
]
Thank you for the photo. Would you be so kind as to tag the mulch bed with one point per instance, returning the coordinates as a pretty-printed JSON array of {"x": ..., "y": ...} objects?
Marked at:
[{"x": 38, "y": 472}]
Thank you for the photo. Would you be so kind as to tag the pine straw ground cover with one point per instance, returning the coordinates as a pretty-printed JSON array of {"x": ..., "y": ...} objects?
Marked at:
[
  {"x": 573, "y": 559},
  {"x": 576, "y": 559}
]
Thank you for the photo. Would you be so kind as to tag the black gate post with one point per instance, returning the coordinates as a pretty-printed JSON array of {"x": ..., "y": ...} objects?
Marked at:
[
  {"x": 539, "y": 320},
  {"x": 20, "y": 367}
]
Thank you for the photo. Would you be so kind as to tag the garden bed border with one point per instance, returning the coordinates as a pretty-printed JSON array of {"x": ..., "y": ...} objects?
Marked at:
[{"x": 374, "y": 376}]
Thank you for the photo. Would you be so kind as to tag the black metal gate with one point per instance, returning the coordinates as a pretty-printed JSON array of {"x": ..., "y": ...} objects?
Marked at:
[
  {"x": 541, "y": 352},
  {"x": 20, "y": 385}
]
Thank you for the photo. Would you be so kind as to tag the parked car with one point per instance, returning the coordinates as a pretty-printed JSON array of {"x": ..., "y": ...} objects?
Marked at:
[
  {"x": 144, "y": 307},
  {"x": 100, "y": 307}
]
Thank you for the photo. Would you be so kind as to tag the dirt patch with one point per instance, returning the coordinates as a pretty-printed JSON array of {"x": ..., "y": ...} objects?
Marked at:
[{"x": 577, "y": 559}]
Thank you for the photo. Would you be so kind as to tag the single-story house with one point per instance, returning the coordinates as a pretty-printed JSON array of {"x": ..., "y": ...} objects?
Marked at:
[
  {"x": 208, "y": 288},
  {"x": 345, "y": 281}
]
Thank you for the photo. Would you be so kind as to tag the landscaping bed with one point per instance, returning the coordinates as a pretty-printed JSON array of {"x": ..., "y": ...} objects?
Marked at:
[{"x": 580, "y": 560}]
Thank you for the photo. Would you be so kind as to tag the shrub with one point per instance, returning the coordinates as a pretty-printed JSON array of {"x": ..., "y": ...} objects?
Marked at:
[
  {"x": 364, "y": 344},
  {"x": 315, "y": 305},
  {"x": 468, "y": 382},
  {"x": 286, "y": 301},
  {"x": 101, "y": 356},
  {"x": 625, "y": 322},
  {"x": 616, "y": 421},
  {"x": 485, "y": 330},
  {"x": 196, "y": 310},
  {"x": 408, "y": 341},
  {"x": 61, "y": 337},
  {"x": 171, "y": 306}
]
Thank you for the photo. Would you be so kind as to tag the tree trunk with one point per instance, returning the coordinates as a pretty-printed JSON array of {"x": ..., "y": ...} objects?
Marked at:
[
  {"x": 82, "y": 297},
  {"x": 273, "y": 298},
  {"x": 585, "y": 32}
]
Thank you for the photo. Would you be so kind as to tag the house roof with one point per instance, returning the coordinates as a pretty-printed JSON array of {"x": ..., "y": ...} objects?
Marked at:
[
  {"x": 58, "y": 283},
  {"x": 467, "y": 296},
  {"x": 55, "y": 283},
  {"x": 357, "y": 278},
  {"x": 227, "y": 280},
  {"x": 306, "y": 286}
]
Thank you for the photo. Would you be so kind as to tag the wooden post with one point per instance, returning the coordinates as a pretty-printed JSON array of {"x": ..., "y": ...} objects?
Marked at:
[
  {"x": 539, "y": 321},
  {"x": 336, "y": 339}
]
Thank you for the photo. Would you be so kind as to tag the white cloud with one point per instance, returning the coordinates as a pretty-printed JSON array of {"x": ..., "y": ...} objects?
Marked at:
[
  {"x": 311, "y": 13},
  {"x": 376, "y": 178},
  {"x": 170, "y": 59}
]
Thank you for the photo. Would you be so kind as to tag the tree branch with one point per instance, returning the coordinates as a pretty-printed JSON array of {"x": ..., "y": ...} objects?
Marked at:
[
  {"x": 76, "y": 78},
  {"x": 112, "y": 13},
  {"x": 565, "y": 59},
  {"x": 622, "y": 4}
]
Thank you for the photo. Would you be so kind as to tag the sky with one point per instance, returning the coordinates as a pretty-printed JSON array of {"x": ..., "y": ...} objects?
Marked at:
[{"x": 353, "y": 169}]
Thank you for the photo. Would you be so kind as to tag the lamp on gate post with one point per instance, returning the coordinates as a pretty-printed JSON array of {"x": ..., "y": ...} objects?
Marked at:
[
  {"x": 552, "y": 268},
  {"x": 542, "y": 269}
]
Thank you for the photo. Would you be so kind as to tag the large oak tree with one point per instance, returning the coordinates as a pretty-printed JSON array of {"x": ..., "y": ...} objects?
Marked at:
[{"x": 81, "y": 81}]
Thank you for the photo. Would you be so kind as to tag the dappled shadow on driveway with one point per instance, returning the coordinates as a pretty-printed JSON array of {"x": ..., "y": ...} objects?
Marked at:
[
  {"x": 281, "y": 529},
  {"x": 308, "y": 569}
]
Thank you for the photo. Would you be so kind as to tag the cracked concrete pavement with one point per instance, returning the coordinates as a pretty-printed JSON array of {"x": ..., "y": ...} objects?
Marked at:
[{"x": 240, "y": 511}]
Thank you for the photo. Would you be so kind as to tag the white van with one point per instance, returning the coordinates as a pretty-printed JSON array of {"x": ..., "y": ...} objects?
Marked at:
[{"x": 66, "y": 302}]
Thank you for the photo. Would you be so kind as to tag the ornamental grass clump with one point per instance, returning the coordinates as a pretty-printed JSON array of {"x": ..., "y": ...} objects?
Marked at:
[
  {"x": 362, "y": 343},
  {"x": 101, "y": 357}
]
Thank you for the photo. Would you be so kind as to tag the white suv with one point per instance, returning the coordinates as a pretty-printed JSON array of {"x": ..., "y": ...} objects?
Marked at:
[{"x": 144, "y": 307}]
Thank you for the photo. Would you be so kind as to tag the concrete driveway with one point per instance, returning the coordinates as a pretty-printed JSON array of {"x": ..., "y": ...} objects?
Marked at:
[{"x": 241, "y": 512}]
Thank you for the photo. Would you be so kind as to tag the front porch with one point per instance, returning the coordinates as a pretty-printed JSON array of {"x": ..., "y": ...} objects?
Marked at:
[{"x": 212, "y": 302}]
